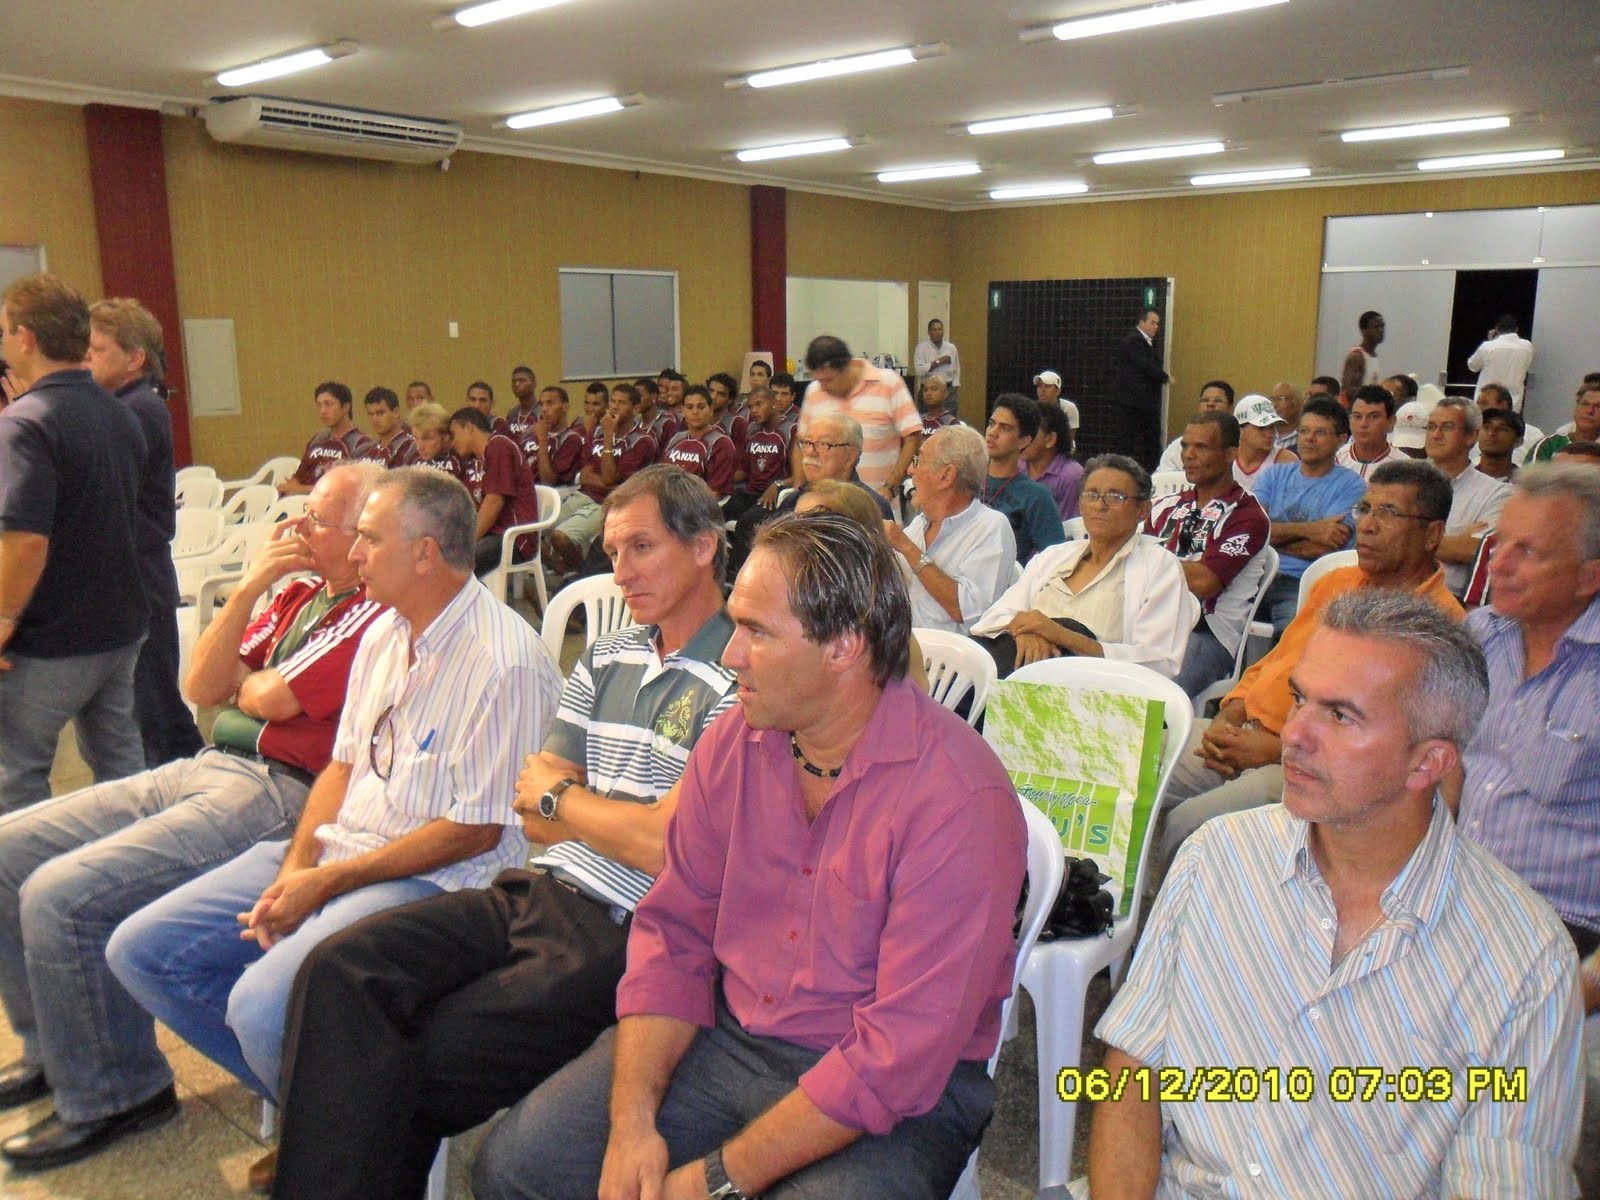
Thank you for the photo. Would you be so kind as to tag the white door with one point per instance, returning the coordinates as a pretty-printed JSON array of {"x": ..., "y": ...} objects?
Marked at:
[{"x": 933, "y": 304}]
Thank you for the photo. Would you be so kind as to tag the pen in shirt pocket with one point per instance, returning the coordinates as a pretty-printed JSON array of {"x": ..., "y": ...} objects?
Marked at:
[{"x": 427, "y": 741}]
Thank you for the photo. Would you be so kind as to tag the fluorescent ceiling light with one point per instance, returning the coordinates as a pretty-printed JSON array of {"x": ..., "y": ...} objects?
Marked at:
[
  {"x": 1489, "y": 160},
  {"x": 1251, "y": 176},
  {"x": 1427, "y": 75},
  {"x": 1076, "y": 116},
  {"x": 946, "y": 171},
  {"x": 285, "y": 64},
  {"x": 828, "y": 68},
  {"x": 1032, "y": 191},
  {"x": 572, "y": 112},
  {"x": 793, "y": 149},
  {"x": 1158, "y": 14},
  {"x": 1153, "y": 152},
  {"x": 498, "y": 10},
  {"x": 1426, "y": 129}
]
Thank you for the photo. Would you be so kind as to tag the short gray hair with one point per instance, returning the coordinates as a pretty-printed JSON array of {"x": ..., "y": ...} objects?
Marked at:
[
  {"x": 1121, "y": 462},
  {"x": 1575, "y": 481},
  {"x": 1472, "y": 415},
  {"x": 688, "y": 507},
  {"x": 361, "y": 478},
  {"x": 1450, "y": 693},
  {"x": 961, "y": 447},
  {"x": 849, "y": 428},
  {"x": 434, "y": 504}
]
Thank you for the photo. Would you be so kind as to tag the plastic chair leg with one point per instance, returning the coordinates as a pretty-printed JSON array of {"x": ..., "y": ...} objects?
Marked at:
[{"x": 1058, "y": 1001}]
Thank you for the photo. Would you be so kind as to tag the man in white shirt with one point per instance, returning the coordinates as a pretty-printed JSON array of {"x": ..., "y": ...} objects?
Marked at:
[
  {"x": 1504, "y": 358},
  {"x": 1047, "y": 387},
  {"x": 957, "y": 555},
  {"x": 1372, "y": 415},
  {"x": 937, "y": 357},
  {"x": 1453, "y": 428}
]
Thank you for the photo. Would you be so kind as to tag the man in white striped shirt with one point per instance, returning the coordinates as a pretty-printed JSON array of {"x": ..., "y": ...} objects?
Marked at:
[
  {"x": 424, "y": 1021},
  {"x": 1339, "y": 996},
  {"x": 448, "y": 692}
]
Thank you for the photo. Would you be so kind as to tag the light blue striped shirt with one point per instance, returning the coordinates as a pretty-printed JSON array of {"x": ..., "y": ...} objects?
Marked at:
[
  {"x": 1470, "y": 970},
  {"x": 473, "y": 705},
  {"x": 630, "y": 718},
  {"x": 1532, "y": 795}
]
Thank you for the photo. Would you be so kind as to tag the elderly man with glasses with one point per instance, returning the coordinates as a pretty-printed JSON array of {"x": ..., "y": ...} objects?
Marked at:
[{"x": 449, "y": 691}]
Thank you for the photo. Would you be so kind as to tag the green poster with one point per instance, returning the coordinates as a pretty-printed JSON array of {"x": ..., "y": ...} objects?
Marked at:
[{"x": 1090, "y": 760}]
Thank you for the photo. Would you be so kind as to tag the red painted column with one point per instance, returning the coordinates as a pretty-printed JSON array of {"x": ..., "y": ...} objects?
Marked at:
[
  {"x": 769, "y": 270},
  {"x": 128, "y": 174}
]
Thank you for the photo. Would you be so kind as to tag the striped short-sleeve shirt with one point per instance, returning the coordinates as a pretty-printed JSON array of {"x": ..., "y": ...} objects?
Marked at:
[
  {"x": 630, "y": 718},
  {"x": 1470, "y": 970},
  {"x": 883, "y": 408}
]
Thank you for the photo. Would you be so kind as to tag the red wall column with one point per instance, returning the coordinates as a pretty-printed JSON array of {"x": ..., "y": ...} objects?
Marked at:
[
  {"x": 127, "y": 171},
  {"x": 769, "y": 270}
]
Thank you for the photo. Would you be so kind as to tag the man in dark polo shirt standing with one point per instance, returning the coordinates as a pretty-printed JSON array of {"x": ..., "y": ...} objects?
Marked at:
[{"x": 72, "y": 614}]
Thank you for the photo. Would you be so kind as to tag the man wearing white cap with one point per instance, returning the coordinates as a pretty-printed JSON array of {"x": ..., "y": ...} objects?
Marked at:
[
  {"x": 1410, "y": 435},
  {"x": 1259, "y": 425},
  {"x": 1047, "y": 386}
]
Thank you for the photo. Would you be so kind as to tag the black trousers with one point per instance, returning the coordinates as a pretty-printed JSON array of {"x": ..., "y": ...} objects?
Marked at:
[
  {"x": 426, "y": 1020},
  {"x": 166, "y": 726}
]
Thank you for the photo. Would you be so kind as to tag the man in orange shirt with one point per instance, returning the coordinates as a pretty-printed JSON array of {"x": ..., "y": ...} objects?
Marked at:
[{"x": 1234, "y": 762}]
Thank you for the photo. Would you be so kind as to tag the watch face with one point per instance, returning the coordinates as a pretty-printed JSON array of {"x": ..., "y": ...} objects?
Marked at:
[{"x": 547, "y": 806}]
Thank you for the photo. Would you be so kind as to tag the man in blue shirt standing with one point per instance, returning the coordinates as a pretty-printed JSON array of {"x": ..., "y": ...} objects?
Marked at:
[
  {"x": 1309, "y": 503},
  {"x": 1027, "y": 504},
  {"x": 71, "y": 612}
]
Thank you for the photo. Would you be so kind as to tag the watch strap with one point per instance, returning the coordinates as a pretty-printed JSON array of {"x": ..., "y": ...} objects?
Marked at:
[{"x": 718, "y": 1185}]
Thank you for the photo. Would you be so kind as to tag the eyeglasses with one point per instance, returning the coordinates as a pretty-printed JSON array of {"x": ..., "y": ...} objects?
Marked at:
[
  {"x": 319, "y": 522},
  {"x": 1384, "y": 513},
  {"x": 1447, "y": 427},
  {"x": 1111, "y": 499},
  {"x": 814, "y": 447},
  {"x": 381, "y": 745}
]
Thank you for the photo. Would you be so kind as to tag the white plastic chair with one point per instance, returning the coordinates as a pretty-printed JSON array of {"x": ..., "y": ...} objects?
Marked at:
[
  {"x": 1167, "y": 483},
  {"x": 1219, "y": 689},
  {"x": 182, "y": 474},
  {"x": 272, "y": 472},
  {"x": 1532, "y": 435},
  {"x": 286, "y": 508},
  {"x": 955, "y": 664},
  {"x": 221, "y": 563},
  {"x": 198, "y": 491},
  {"x": 604, "y": 610},
  {"x": 513, "y": 572},
  {"x": 1046, "y": 866},
  {"x": 1057, "y": 974},
  {"x": 197, "y": 530},
  {"x": 1319, "y": 568},
  {"x": 248, "y": 503},
  {"x": 1074, "y": 529}
]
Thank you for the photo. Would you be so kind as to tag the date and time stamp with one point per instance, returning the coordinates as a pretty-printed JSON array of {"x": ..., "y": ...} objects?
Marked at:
[{"x": 1300, "y": 1085}]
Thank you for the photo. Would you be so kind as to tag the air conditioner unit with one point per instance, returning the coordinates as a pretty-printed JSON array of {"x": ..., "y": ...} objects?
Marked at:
[{"x": 324, "y": 129}]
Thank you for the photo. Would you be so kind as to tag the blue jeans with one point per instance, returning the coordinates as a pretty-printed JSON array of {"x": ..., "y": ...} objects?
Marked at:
[
  {"x": 72, "y": 868},
  {"x": 183, "y": 959},
  {"x": 1281, "y": 602},
  {"x": 1205, "y": 660},
  {"x": 550, "y": 1146},
  {"x": 38, "y": 696}
]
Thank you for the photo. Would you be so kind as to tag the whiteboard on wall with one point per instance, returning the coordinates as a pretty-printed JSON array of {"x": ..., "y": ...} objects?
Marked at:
[
  {"x": 616, "y": 323},
  {"x": 17, "y": 261},
  {"x": 212, "y": 360},
  {"x": 872, "y": 317}
]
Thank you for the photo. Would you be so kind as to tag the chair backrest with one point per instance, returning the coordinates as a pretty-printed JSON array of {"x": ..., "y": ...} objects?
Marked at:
[
  {"x": 1532, "y": 435},
  {"x": 198, "y": 491},
  {"x": 249, "y": 503},
  {"x": 1319, "y": 568},
  {"x": 1074, "y": 529},
  {"x": 286, "y": 508},
  {"x": 956, "y": 665},
  {"x": 1046, "y": 868},
  {"x": 233, "y": 553},
  {"x": 196, "y": 472},
  {"x": 197, "y": 530},
  {"x": 1167, "y": 483},
  {"x": 604, "y": 610},
  {"x": 1129, "y": 679}
]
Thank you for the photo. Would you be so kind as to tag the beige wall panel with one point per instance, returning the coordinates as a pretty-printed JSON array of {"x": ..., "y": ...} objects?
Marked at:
[{"x": 45, "y": 198}]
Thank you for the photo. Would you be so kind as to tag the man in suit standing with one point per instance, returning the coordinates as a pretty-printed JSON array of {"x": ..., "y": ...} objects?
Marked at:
[{"x": 1136, "y": 381}]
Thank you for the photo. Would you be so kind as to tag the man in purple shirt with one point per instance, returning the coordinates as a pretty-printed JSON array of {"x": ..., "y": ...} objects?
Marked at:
[{"x": 814, "y": 982}]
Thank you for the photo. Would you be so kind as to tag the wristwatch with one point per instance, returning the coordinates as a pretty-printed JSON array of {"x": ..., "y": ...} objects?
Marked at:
[
  {"x": 549, "y": 801},
  {"x": 718, "y": 1185},
  {"x": 923, "y": 561}
]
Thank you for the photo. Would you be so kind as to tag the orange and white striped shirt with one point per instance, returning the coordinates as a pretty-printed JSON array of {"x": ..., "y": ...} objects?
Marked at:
[{"x": 883, "y": 408}]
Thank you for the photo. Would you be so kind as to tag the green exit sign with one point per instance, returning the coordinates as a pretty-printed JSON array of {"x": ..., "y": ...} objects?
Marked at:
[
  {"x": 1150, "y": 297},
  {"x": 994, "y": 297}
]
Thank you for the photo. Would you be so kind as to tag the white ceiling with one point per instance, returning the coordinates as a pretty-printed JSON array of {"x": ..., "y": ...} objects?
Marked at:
[{"x": 1535, "y": 59}]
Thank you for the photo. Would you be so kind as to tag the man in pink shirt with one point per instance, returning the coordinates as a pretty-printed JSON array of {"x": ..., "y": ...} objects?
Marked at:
[
  {"x": 814, "y": 981},
  {"x": 875, "y": 399}
]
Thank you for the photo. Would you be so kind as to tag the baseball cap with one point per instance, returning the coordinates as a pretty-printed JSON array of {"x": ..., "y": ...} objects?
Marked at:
[
  {"x": 1410, "y": 426},
  {"x": 1049, "y": 377},
  {"x": 1257, "y": 410}
]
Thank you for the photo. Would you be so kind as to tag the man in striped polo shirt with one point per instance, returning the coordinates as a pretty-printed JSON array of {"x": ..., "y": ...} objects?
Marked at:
[
  {"x": 426, "y": 1020},
  {"x": 1341, "y": 995},
  {"x": 875, "y": 399}
]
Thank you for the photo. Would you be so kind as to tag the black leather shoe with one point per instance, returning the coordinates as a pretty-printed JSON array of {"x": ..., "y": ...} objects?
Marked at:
[
  {"x": 54, "y": 1143},
  {"x": 21, "y": 1083}
]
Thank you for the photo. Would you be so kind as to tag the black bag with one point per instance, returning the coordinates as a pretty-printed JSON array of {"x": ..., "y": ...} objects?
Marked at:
[{"x": 1083, "y": 908}]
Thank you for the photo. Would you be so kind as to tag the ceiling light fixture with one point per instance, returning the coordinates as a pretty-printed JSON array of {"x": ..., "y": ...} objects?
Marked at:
[
  {"x": 1427, "y": 75},
  {"x": 1076, "y": 116},
  {"x": 1490, "y": 160},
  {"x": 829, "y": 68},
  {"x": 1034, "y": 191},
  {"x": 946, "y": 171},
  {"x": 1425, "y": 129},
  {"x": 498, "y": 10},
  {"x": 572, "y": 112},
  {"x": 793, "y": 149},
  {"x": 284, "y": 64},
  {"x": 1154, "y": 152},
  {"x": 1157, "y": 14},
  {"x": 1271, "y": 176}
]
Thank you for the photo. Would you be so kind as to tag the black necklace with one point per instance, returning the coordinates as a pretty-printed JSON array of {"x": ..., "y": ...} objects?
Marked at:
[{"x": 809, "y": 766}]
